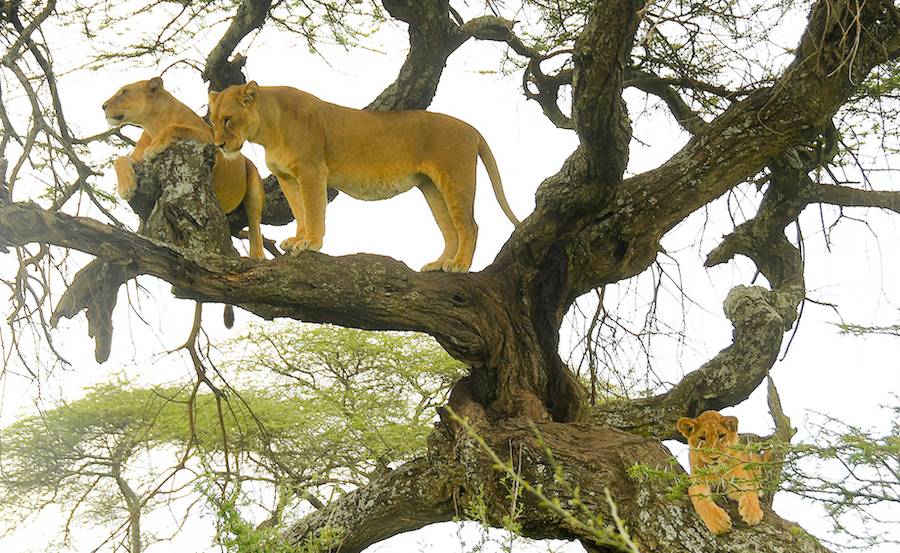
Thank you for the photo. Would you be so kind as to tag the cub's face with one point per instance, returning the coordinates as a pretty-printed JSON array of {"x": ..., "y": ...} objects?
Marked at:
[
  {"x": 132, "y": 102},
  {"x": 710, "y": 435},
  {"x": 234, "y": 117}
]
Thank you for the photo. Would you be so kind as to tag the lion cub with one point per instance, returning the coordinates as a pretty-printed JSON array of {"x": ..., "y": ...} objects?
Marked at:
[
  {"x": 165, "y": 120},
  {"x": 715, "y": 463},
  {"x": 370, "y": 155}
]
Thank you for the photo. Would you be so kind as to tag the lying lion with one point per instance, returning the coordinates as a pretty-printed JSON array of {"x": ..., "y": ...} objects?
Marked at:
[
  {"x": 164, "y": 120},
  {"x": 370, "y": 155},
  {"x": 716, "y": 463}
]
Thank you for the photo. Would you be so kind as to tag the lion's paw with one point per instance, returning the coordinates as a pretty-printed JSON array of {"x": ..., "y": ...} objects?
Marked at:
[
  {"x": 153, "y": 151},
  {"x": 433, "y": 266},
  {"x": 750, "y": 512},
  {"x": 127, "y": 185},
  {"x": 126, "y": 190},
  {"x": 717, "y": 520},
  {"x": 296, "y": 245},
  {"x": 455, "y": 267}
]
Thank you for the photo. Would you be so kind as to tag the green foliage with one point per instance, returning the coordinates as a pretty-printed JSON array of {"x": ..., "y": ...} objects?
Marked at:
[
  {"x": 859, "y": 330},
  {"x": 855, "y": 474},
  {"x": 586, "y": 521},
  {"x": 362, "y": 399},
  {"x": 235, "y": 534},
  {"x": 477, "y": 510},
  {"x": 307, "y": 409}
]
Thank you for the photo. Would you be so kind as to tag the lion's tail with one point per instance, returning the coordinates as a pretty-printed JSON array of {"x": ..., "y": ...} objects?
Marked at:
[{"x": 491, "y": 165}]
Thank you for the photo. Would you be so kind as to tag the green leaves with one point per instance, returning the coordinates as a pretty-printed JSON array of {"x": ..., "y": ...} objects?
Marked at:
[{"x": 299, "y": 411}]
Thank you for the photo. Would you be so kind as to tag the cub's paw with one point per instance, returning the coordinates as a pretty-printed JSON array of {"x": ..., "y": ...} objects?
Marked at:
[
  {"x": 717, "y": 520},
  {"x": 750, "y": 512}
]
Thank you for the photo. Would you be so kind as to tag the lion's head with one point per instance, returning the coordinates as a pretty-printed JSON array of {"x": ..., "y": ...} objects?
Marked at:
[
  {"x": 233, "y": 116},
  {"x": 132, "y": 103},
  {"x": 710, "y": 435}
]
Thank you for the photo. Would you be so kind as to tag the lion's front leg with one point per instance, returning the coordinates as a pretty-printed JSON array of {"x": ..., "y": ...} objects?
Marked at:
[
  {"x": 125, "y": 175},
  {"x": 308, "y": 207},
  {"x": 127, "y": 179},
  {"x": 715, "y": 517},
  {"x": 171, "y": 134},
  {"x": 291, "y": 190},
  {"x": 746, "y": 496}
]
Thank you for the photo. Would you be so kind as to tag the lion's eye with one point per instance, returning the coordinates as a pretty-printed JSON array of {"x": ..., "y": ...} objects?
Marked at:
[
  {"x": 721, "y": 436},
  {"x": 225, "y": 121},
  {"x": 702, "y": 438}
]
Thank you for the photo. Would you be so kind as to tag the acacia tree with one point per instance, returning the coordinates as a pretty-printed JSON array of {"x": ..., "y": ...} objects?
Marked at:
[
  {"x": 751, "y": 124},
  {"x": 318, "y": 410}
]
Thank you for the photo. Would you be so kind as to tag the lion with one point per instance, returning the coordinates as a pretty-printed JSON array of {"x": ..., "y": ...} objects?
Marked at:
[
  {"x": 716, "y": 463},
  {"x": 165, "y": 120},
  {"x": 370, "y": 155}
]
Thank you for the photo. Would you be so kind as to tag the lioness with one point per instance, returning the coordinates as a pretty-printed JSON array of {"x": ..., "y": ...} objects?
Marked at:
[
  {"x": 716, "y": 463},
  {"x": 370, "y": 155},
  {"x": 164, "y": 120}
]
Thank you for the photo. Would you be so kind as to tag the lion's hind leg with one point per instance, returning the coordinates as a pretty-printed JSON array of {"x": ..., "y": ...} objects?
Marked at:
[
  {"x": 445, "y": 222},
  {"x": 254, "y": 201},
  {"x": 458, "y": 191}
]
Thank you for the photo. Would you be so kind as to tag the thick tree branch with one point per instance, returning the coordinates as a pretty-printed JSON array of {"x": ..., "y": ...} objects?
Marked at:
[
  {"x": 407, "y": 498},
  {"x": 219, "y": 72},
  {"x": 852, "y": 197},
  {"x": 662, "y": 88},
  {"x": 433, "y": 36}
]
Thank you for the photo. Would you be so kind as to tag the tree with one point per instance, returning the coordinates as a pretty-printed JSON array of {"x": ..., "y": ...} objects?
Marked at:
[
  {"x": 336, "y": 416},
  {"x": 752, "y": 121}
]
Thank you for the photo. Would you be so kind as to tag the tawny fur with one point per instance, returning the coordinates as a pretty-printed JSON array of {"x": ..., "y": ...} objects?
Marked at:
[
  {"x": 371, "y": 155},
  {"x": 164, "y": 120},
  {"x": 715, "y": 463}
]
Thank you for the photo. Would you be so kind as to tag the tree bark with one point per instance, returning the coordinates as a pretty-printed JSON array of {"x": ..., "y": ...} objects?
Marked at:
[{"x": 457, "y": 470}]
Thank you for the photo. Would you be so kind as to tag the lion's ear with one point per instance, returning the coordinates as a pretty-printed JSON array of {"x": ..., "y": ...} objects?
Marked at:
[
  {"x": 212, "y": 97},
  {"x": 154, "y": 84},
  {"x": 730, "y": 423},
  {"x": 686, "y": 426},
  {"x": 249, "y": 94}
]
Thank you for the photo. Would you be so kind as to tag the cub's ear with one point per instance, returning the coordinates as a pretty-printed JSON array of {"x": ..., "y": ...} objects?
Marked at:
[
  {"x": 212, "y": 97},
  {"x": 154, "y": 84},
  {"x": 249, "y": 94},
  {"x": 730, "y": 423},
  {"x": 686, "y": 426}
]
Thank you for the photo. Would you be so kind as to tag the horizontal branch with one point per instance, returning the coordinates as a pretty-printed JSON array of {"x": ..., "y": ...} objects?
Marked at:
[
  {"x": 853, "y": 197},
  {"x": 412, "y": 496},
  {"x": 363, "y": 291},
  {"x": 458, "y": 471}
]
